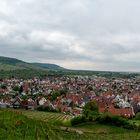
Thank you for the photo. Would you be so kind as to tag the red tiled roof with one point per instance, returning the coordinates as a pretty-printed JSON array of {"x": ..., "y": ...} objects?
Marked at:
[
  {"x": 107, "y": 106},
  {"x": 128, "y": 112},
  {"x": 74, "y": 98},
  {"x": 105, "y": 94}
]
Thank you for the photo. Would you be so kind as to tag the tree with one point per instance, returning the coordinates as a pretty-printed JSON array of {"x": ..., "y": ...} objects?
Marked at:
[
  {"x": 21, "y": 89},
  {"x": 54, "y": 95},
  {"x": 63, "y": 91},
  {"x": 3, "y": 87},
  {"x": 16, "y": 88},
  {"x": 90, "y": 110}
]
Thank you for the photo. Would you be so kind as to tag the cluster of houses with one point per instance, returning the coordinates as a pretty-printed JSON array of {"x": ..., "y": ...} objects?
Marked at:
[{"x": 117, "y": 95}]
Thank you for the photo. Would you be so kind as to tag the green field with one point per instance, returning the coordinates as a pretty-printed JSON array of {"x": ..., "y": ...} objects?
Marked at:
[{"x": 35, "y": 125}]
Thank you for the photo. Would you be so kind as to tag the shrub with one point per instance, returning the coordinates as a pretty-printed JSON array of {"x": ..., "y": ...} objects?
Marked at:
[
  {"x": 137, "y": 116},
  {"x": 78, "y": 120},
  {"x": 114, "y": 120},
  {"x": 47, "y": 109}
]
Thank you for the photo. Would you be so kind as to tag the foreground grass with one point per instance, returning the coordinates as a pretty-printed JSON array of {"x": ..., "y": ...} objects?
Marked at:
[{"x": 27, "y": 125}]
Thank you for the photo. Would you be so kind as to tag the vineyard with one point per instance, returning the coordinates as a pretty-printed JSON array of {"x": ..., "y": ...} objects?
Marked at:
[
  {"x": 48, "y": 116},
  {"x": 34, "y": 125}
]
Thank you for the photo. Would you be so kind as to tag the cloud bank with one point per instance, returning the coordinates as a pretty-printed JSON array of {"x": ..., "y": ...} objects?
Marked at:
[{"x": 76, "y": 34}]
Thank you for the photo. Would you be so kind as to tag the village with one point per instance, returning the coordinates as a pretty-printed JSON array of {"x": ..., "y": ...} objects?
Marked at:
[{"x": 68, "y": 94}]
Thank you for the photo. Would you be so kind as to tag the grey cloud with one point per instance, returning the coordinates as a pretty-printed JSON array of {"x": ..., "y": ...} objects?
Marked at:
[{"x": 91, "y": 34}]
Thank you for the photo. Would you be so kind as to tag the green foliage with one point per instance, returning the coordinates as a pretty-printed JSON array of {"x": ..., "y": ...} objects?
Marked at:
[
  {"x": 49, "y": 117},
  {"x": 137, "y": 117},
  {"x": 16, "y": 88},
  {"x": 24, "y": 74},
  {"x": 54, "y": 95},
  {"x": 3, "y": 86},
  {"x": 57, "y": 93},
  {"x": 90, "y": 113},
  {"x": 78, "y": 120},
  {"x": 107, "y": 118},
  {"x": 14, "y": 125},
  {"x": 63, "y": 91},
  {"x": 90, "y": 110},
  {"x": 7, "y": 60},
  {"x": 48, "y": 66},
  {"x": 47, "y": 109},
  {"x": 24, "y": 97}
]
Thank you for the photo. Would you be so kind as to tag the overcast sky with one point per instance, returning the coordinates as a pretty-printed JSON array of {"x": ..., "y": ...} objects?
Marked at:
[{"x": 76, "y": 34}]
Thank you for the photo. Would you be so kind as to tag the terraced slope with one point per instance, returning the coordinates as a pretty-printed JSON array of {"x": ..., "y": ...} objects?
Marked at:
[
  {"x": 48, "y": 116},
  {"x": 19, "y": 125}
]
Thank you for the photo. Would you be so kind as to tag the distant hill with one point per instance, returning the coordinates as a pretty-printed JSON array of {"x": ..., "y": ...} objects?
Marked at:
[
  {"x": 48, "y": 66},
  {"x": 12, "y": 67},
  {"x": 7, "y": 64},
  {"x": 11, "y": 61}
]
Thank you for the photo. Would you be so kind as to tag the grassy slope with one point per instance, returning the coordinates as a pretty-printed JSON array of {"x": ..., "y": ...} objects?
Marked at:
[{"x": 17, "y": 124}]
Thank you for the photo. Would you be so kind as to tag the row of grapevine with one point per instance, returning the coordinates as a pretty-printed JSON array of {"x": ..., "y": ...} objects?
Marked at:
[
  {"x": 47, "y": 116},
  {"x": 14, "y": 125}
]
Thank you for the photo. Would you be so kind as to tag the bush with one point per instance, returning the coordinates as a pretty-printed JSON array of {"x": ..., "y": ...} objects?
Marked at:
[
  {"x": 114, "y": 120},
  {"x": 47, "y": 109},
  {"x": 137, "y": 116},
  {"x": 78, "y": 120}
]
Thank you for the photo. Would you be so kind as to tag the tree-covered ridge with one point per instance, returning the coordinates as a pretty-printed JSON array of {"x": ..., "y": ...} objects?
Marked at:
[
  {"x": 18, "y": 68},
  {"x": 8, "y": 64},
  {"x": 48, "y": 66},
  {"x": 19, "y": 63},
  {"x": 7, "y": 60},
  {"x": 23, "y": 73}
]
